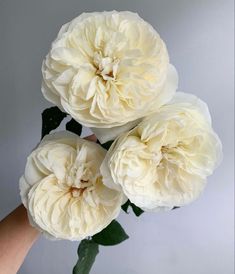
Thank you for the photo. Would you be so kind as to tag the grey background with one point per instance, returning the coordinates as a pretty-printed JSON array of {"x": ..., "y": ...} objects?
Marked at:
[{"x": 196, "y": 239}]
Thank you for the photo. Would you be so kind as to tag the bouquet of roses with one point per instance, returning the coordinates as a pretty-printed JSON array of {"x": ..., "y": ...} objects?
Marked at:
[{"x": 155, "y": 146}]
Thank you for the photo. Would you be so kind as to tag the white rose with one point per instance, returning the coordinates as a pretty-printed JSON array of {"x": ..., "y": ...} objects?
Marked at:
[
  {"x": 63, "y": 191},
  {"x": 107, "y": 69},
  {"x": 165, "y": 160}
]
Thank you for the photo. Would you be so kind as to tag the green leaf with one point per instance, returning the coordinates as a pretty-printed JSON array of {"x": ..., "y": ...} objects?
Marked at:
[
  {"x": 175, "y": 207},
  {"x": 51, "y": 119},
  {"x": 138, "y": 211},
  {"x": 87, "y": 252},
  {"x": 126, "y": 205},
  {"x": 107, "y": 145},
  {"x": 113, "y": 234},
  {"x": 74, "y": 127}
]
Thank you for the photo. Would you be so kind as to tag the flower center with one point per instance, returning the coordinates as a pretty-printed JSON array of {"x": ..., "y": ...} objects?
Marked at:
[
  {"x": 106, "y": 66},
  {"x": 167, "y": 148},
  {"x": 78, "y": 191}
]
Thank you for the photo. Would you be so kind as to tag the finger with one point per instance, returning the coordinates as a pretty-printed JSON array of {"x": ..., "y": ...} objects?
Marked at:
[{"x": 91, "y": 138}]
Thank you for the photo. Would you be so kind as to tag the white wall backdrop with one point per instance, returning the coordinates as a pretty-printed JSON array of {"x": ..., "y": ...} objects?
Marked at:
[{"x": 197, "y": 239}]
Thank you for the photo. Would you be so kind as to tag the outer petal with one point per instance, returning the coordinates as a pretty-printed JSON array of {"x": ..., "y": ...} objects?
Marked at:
[
  {"x": 170, "y": 87},
  {"x": 50, "y": 96},
  {"x": 189, "y": 100},
  {"x": 106, "y": 134}
]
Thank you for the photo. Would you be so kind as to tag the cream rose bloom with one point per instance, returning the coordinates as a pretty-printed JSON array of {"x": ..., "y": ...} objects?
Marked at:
[
  {"x": 164, "y": 161},
  {"x": 107, "y": 69},
  {"x": 63, "y": 191}
]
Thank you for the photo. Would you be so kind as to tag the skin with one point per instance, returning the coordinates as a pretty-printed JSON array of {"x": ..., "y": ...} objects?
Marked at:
[{"x": 17, "y": 237}]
